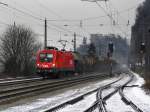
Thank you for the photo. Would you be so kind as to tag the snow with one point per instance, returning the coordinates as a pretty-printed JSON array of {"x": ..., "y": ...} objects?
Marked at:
[
  {"x": 43, "y": 104},
  {"x": 115, "y": 104},
  {"x": 80, "y": 106},
  {"x": 89, "y": 100},
  {"x": 137, "y": 94},
  {"x": 3, "y": 81},
  {"x": 107, "y": 92}
]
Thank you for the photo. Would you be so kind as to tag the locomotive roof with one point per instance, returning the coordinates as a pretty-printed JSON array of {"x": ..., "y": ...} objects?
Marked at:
[
  {"x": 51, "y": 47},
  {"x": 53, "y": 50}
]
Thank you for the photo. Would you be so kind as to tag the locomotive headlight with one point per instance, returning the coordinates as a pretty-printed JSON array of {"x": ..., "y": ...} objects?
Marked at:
[
  {"x": 38, "y": 64},
  {"x": 53, "y": 64}
]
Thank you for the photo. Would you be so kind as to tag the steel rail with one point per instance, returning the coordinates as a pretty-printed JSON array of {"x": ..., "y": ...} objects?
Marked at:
[
  {"x": 100, "y": 102},
  {"x": 20, "y": 85},
  {"x": 126, "y": 100},
  {"x": 75, "y": 100},
  {"x": 25, "y": 80},
  {"x": 18, "y": 81},
  {"x": 28, "y": 90}
]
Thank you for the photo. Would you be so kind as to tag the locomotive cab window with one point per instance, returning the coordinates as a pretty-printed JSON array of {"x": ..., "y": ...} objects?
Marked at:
[{"x": 46, "y": 57}]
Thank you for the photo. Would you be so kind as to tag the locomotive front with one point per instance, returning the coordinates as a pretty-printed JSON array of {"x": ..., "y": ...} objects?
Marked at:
[{"x": 45, "y": 62}]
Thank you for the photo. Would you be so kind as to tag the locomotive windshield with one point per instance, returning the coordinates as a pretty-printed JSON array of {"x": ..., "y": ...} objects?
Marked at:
[{"x": 46, "y": 57}]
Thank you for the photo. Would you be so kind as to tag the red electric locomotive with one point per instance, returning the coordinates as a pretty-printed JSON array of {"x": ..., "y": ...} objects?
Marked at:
[{"x": 52, "y": 61}]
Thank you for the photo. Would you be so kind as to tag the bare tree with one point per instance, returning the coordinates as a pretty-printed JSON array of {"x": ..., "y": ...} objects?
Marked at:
[{"x": 18, "y": 44}]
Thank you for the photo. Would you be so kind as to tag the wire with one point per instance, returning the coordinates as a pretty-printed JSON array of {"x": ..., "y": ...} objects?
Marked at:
[
  {"x": 112, "y": 21},
  {"x": 104, "y": 10},
  {"x": 63, "y": 20},
  {"x": 21, "y": 11},
  {"x": 122, "y": 18},
  {"x": 110, "y": 17},
  {"x": 25, "y": 8},
  {"x": 38, "y": 18},
  {"x": 48, "y": 9},
  {"x": 123, "y": 11}
]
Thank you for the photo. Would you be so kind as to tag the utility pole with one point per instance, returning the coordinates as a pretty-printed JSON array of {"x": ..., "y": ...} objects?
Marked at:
[
  {"x": 45, "y": 36},
  {"x": 74, "y": 42}
]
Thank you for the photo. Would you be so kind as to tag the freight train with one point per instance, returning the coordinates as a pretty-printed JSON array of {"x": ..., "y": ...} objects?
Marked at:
[{"x": 53, "y": 62}]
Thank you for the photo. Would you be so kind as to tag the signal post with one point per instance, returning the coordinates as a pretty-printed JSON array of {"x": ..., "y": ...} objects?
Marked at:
[{"x": 109, "y": 55}]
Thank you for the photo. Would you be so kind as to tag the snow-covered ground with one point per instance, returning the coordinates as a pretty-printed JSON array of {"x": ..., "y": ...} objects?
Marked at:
[
  {"x": 82, "y": 105},
  {"x": 42, "y": 104},
  {"x": 114, "y": 86},
  {"x": 114, "y": 104},
  {"x": 137, "y": 94},
  {"x": 89, "y": 100}
]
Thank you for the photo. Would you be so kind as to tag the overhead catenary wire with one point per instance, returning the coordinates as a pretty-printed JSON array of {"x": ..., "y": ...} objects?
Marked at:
[
  {"x": 120, "y": 12},
  {"x": 61, "y": 20},
  {"x": 37, "y": 18},
  {"x": 57, "y": 27},
  {"x": 110, "y": 16},
  {"x": 112, "y": 21},
  {"x": 29, "y": 10},
  {"x": 59, "y": 16},
  {"x": 48, "y": 9},
  {"x": 21, "y": 11},
  {"x": 75, "y": 20},
  {"x": 122, "y": 18}
]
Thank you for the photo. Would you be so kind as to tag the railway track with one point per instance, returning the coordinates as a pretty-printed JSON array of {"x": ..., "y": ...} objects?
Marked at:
[
  {"x": 100, "y": 102},
  {"x": 128, "y": 101},
  {"x": 8, "y": 93},
  {"x": 77, "y": 99},
  {"x": 7, "y": 82},
  {"x": 101, "y": 99}
]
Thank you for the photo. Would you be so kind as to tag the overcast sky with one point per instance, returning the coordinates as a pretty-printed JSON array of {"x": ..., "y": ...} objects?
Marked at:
[{"x": 94, "y": 19}]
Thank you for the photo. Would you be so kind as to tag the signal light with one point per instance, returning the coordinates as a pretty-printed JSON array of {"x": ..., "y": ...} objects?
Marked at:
[
  {"x": 142, "y": 48},
  {"x": 111, "y": 47}
]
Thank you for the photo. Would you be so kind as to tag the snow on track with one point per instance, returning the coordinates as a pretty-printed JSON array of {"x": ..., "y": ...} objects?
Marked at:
[
  {"x": 42, "y": 104},
  {"x": 138, "y": 95},
  {"x": 115, "y": 104},
  {"x": 3, "y": 81},
  {"x": 82, "y": 105}
]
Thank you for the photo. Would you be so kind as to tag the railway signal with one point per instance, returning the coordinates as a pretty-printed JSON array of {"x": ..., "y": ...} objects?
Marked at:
[
  {"x": 111, "y": 47},
  {"x": 74, "y": 42},
  {"x": 142, "y": 52},
  {"x": 109, "y": 54},
  {"x": 142, "y": 48}
]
